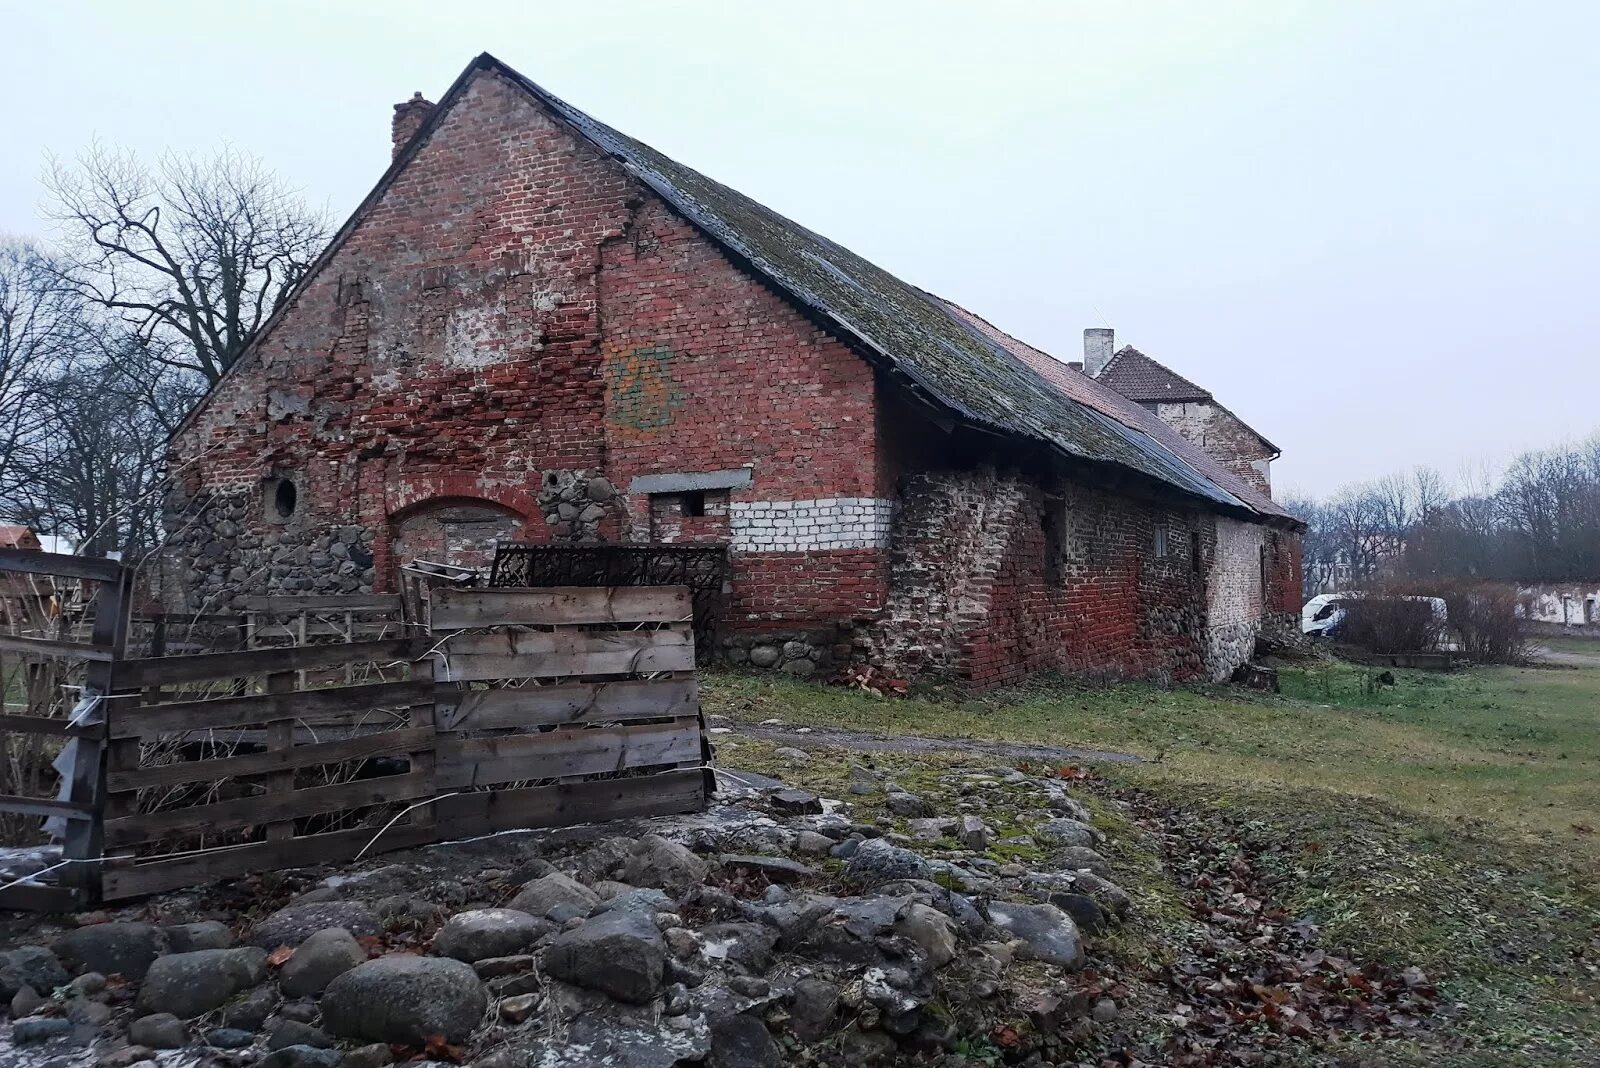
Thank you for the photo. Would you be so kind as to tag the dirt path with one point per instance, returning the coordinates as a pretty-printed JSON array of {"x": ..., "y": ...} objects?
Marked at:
[
  {"x": 1550, "y": 656},
  {"x": 903, "y": 743}
]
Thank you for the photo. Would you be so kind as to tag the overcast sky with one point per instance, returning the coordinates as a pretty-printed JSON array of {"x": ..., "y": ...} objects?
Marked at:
[{"x": 1371, "y": 229}]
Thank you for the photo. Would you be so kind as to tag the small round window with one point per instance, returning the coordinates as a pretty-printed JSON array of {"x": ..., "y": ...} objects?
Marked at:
[{"x": 284, "y": 498}]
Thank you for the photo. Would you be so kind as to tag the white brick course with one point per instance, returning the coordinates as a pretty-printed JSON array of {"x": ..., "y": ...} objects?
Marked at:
[{"x": 801, "y": 526}]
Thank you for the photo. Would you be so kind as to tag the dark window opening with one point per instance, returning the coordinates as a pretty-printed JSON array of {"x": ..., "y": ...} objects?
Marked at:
[
  {"x": 694, "y": 503},
  {"x": 1264, "y": 572},
  {"x": 283, "y": 499},
  {"x": 1054, "y": 522},
  {"x": 1161, "y": 541},
  {"x": 1196, "y": 556}
]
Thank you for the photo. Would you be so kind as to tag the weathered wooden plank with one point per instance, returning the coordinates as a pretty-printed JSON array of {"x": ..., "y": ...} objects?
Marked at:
[
  {"x": 363, "y": 747},
  {"x": 533, "y": 654},
  {"x": 288, "y": 605},
  {"x": 57, "y": 726},
  {"x": 34, "y": 562},
  {"x": 568, "y": 702},
  {"x": 125, "y": 877},
  {"x": 40, "y": 806},
  {"x": 171, "y": 670},
  {"x": 458, "y": 609},
  {"x": 151, "y": 720},
  {"x": 39, "y": 897},
  {"x": 85, "y": 785},
  {"x": 54, "y": 649},
  {"x": 487, "y": 811},
  {"x": 463, "y": 762},
  {"x": 268, "y": 808}
]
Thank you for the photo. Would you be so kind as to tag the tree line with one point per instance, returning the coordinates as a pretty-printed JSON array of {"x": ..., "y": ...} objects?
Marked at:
[
  {"x": 153, "y": 283},
  {"x": 1539, "y": 521}
]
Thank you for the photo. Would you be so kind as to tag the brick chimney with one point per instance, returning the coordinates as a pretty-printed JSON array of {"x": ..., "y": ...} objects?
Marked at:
[
  {"x": 409, "y": 115},
  {"x": 1098, "y": 344}
]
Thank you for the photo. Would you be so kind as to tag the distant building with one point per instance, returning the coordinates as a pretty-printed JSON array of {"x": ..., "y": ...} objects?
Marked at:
[
  {"x": 1189, "y": 409},
  {"x": 1563, "y": 604}
]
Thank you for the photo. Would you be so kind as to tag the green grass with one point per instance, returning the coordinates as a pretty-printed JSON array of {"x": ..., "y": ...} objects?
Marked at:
[
  {"x": 1447, "y": 821},
  {"x": 1563, "y": 643}
]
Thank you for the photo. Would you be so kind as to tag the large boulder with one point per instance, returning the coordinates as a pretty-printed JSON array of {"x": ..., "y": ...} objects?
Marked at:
[
  {"x": 405, "y": 999},
  {"x": 192, "y": 984},
  {"x": 1047, "y": 933},
  {"x": 620, "y": 954},
  {"x": 1065, "y": 832},
  {"x": 204, "y": 934},
  {"x": 481, "y": 933},
  {"x": 293, "y": 924},
  {"x": 124, "y": 949},
  {"x": 879, "y": 861},
  {"x": 33, "y": 966},
  {"x": 545, "y": 893},
  {"x": 656, "y": 861},
  {"x": 319, "y": 960},
  {"x": 741, "y": 1041}
]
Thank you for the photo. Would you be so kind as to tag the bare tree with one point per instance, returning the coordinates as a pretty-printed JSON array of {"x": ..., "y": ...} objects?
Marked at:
[
  {"x": 42, "y": 326},
  {"x": 193, "y": 256}
]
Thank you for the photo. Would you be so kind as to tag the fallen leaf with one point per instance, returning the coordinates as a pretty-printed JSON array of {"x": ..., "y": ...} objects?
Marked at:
[{"x": 279, "y": 956}]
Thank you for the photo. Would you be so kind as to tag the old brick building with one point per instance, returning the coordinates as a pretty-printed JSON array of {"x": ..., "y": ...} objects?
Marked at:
[{"x": 537, "y": 328}]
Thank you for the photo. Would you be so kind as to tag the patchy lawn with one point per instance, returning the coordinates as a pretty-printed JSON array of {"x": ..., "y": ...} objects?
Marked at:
[{"x": 1446, "y": 822}]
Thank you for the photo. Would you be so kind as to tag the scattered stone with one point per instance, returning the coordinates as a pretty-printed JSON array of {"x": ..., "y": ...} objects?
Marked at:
[
  {"x": 285, "y": 1033},
  {"x": 795, "y": 802},
  {"x": 190, "y": 984},
  {"x": 251, "y": 1009},
  {"x": 791, "y": 755},
  {"x": 1105, "y": 1011},
  {"x": 1065, "y": 832},
  {"x": 204, "y": 934},
  {"x": 229, "y": 1038},
  {"x": 87, "y": 1013},
  {"x": 1083, "y": 909},
  {"x": 545, "y": 893},
  {"x": 317, "y": 961},
  {"x": 299, "y": 1011},
  {"x": 375, "y": 1055},
  {"x": 741, "y": 1041},
  {"x": 160, "y": 1030},
  {"x": 26, "y": 1002},
  {"x": 484, "y": 933},
  {"x": 405, "y": 999},
  {"x": 749, "y": 986},
  {"x": 125, "y": 1056},
  {"x": 867, "y": 1047},
  {"x": 845, "y": 849},
  {"x": 1047, "y": 933},
  {"x": 293, "y": 924},
  {"x": 33, "y": 966},
  {"x": 519, "y": 1008},
  {"x": 39, "y": 1029},
  {"x": 813, "y": 1008},
  {"x": 1081, "y": 858},
  {"x": 907, "y": 805},
  {"x": 777, "y": 869},
  {"x": 930, "y": 929},
  {"x": 88, "y": 984},
  {"x": 974, "y": 834},
  {"x": 656, "y": 861},
  {"x": 812, "y": 844},
  {"x": 929, "y": 828},
  {"x": 619, "y": 953},
  {"x": 124, "y": 949},
  {"x": 1110, "y": 897},
  {"x": 764, "y": 656},
  {"x": 494, "y": 967},
  {"x": 879, "y": 861},
  {"x": 681, "y": 942},
  {"x": 748, "y": 945},
  {"x": 301, "y": 1057}
]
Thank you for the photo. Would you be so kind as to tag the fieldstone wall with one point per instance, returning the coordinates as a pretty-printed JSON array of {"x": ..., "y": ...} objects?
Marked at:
[
  {"x": 576, "y": 503},
  {"x": 803, "y": 653},
  {"x": 222, "y": 550}
]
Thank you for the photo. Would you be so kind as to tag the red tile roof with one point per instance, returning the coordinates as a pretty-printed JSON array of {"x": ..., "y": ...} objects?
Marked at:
[
  {"x": 1139, "y": 378},
  {"x": 1093, "y": 393}
]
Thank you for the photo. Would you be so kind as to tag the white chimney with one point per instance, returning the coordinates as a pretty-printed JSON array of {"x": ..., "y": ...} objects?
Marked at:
[{"x": 1098, "y": 344}]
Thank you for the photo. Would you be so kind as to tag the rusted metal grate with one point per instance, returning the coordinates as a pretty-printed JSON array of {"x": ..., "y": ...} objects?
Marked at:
[{"x": 702, "y": 568}]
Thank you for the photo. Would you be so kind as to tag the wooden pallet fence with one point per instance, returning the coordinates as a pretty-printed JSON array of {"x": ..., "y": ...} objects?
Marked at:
[
  {"x": 82, "y": 804},
  {"x": 563, "y": 705},
  {"x": 205, "y": 788}
]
